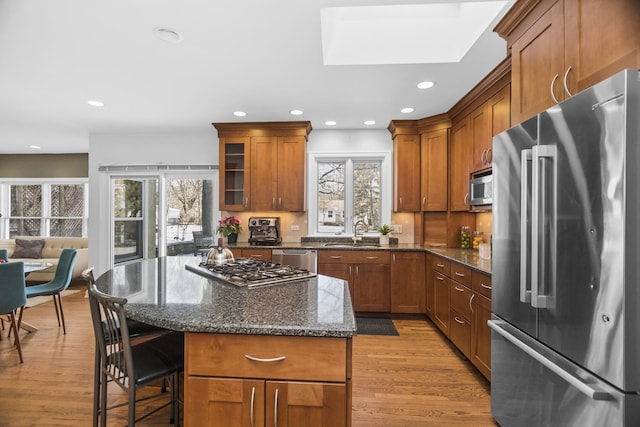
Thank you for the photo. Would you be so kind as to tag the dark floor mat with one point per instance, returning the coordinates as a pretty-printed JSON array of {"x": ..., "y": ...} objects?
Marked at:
[{"x": 375, "y": 326}]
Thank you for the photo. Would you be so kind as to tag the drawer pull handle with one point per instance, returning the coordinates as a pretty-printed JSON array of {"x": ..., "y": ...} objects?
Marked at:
[
  {"x": 253, "y": 397},
  {"x": 458, "y": 320},
  {"x": 459, "y": 274},
  {"x": 485, "y": 286},
  {"x": 275, "y": 410},
  {"x": 459, "y": 289},
  {"x": 259, "y": 359},
  {"x": 440, "y": 278},
  {"x": 371, "y": 257},
  {"x": 335, "y": 256},
  {"x": 440, "y": 265}
]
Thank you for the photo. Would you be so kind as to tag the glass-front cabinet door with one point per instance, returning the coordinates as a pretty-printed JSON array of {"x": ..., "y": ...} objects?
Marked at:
[{"x": 235, "y": 162}]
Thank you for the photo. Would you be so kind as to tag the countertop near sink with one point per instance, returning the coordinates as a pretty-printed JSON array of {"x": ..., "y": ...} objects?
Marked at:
[{"x": 468, "y": 257}]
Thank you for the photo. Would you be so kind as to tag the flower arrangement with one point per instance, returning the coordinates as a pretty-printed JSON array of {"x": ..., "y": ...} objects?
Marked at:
[{"x": 229, "y": 225}]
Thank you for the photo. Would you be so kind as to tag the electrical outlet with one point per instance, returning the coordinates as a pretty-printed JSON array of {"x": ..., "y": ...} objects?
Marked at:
[
  {"x": 295, "y": 228},
  {"x": 397, "y": 228}
]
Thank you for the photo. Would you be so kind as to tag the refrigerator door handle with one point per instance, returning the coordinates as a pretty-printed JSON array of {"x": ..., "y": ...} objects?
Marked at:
[
  {"x": 539, "y": 200},
  {"x": 594, "y": 392},
  {"x": 525, "y": 159}
]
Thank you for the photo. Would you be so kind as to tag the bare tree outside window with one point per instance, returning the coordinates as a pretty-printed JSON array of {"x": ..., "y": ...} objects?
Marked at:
[
  {"x": 366, "y": 193},
  {"x": 331, "y": 194}
]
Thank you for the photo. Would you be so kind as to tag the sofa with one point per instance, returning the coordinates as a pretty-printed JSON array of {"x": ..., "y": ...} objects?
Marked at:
[{"x": 51, "y": 250}]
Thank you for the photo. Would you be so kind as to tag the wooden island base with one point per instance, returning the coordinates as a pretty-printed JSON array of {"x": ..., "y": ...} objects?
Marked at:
[{"x": 263, "y": 380}]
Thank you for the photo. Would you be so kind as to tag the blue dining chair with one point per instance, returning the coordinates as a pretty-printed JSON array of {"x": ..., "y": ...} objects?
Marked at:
[
  {"x": 13, "y": 295},
  {"x": 4, "y": 255},
  {"x": 60, "y": 282}
]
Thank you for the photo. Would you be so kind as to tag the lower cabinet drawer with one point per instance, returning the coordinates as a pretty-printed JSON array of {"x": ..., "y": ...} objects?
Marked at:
[
  {"x": 266, "y": 356},
  {"x": 460, "y": 333},
  {"x": 461, "y": 299}
]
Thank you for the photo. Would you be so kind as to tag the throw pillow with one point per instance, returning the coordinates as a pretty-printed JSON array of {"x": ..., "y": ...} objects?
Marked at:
[{"x": 28, "y": 248}]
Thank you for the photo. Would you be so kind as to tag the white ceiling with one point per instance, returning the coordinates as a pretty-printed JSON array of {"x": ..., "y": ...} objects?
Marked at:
[{"x": 262, "y": 57}]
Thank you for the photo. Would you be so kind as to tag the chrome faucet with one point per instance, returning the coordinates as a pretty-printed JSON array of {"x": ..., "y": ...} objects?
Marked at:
[{"x": 355, "y": 229}]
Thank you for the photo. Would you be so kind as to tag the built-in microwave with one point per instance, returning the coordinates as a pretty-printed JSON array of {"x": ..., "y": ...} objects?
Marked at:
[{"x": 481, "y": 190}]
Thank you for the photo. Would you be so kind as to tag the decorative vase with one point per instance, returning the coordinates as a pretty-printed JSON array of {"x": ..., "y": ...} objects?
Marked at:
[
  {"x": 232, "y": 238},
  {"x": 384, "y": 239}
]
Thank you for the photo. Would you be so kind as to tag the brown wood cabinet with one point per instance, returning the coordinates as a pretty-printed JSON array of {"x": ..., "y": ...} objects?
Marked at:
[
  {"x": 480, "y": 314},
  {"x": 235, "y": 181},
  {"x": 278, "y": 174},
  {"x": 480, "y": 122},
  {"x": 407, "y": 282},
  {"x": 559, "y": 48},
  {"x": 459, "y": 165},
  {"x": 367, "y": 273},
  {"x": 434, "y": 152},
  {"x": 406, "y": 173},
  {"x": 458, "y": 300},
  {"x": 263, "y": 166},
  {"x": 234, "y": 380}
]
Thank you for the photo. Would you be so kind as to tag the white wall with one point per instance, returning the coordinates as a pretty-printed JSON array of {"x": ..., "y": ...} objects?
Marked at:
[
  {"x": 355, "y": 140},
  {"x": 139, "y": 148}
]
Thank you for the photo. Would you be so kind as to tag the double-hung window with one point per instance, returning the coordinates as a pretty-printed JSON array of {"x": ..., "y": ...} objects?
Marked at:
[
  {"x": 51, "y": 208},
  {"x": 349, "y": 190}
]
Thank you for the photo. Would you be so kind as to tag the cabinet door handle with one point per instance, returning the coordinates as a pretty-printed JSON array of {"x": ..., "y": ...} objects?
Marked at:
[
  {"x": 440, "y": 265},
  {"x": 440, "y": 278},
  {"x": 259, "y": 359},
  {"x": 458, "y": 320},
  {"x": 275, "y": 410},
  {"x": 564, "y": 81},
  {"x": 357, "y": 271},
  {"x": 335, "y": 256},
  {"x": 253, "y": 397},
  {"x": 280, "y": 202},
  {"x": 459, "y": 274},
  {"x": 424, "y": 202},
  {"x": 483, "y": 157},
  {"x": 486, "y": 286},
  {"x": 466, "y": 199},
  {"x": 470, "y": 302},
  {"x": 273, "y": 202},
  {"x": 458, "y": 289},
  {"x": 489, "y": 156},
  {"x": 400, "y": 202},
  {"x": 394, "y": 258},
  {"x": 246, "y": 202},
  {"x": 350, "y": 271},
  {"x": 553, "y": 95}
]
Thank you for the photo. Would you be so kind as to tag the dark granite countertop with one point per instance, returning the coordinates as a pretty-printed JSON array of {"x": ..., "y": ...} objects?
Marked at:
[
  {"x": 468, "y": 257},
  {"x": 163, "y": 293}
]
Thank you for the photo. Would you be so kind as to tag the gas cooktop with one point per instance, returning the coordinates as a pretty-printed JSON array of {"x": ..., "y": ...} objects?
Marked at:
[{"x": 251, "y": 272}]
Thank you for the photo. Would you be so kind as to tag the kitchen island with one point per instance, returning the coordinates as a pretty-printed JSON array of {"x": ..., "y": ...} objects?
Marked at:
[{"x": 273, "y": 355}]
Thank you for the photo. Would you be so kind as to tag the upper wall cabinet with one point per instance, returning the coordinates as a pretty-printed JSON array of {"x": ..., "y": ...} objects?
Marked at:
[
  {"x": 434, "y": 151},
  {"x": 263, "y": 166},
  {"x": 406, "y": 166},
  {"x": 559, "y": 48}
]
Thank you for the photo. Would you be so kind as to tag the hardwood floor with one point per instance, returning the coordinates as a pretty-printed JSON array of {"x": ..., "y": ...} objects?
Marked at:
[{"x": 414, "y": 379}]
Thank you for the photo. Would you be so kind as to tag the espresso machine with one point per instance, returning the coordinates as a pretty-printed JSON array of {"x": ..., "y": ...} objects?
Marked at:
[{"x": 264, "y": 231}]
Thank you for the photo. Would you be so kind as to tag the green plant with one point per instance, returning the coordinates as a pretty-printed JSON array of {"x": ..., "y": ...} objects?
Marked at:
[
  {"x": 385, "y": 229},
  {"x": 229, "y": 225}
]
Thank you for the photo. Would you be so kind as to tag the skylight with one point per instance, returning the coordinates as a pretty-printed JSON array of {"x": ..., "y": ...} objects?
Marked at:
[{"x": 404, "y": 34}]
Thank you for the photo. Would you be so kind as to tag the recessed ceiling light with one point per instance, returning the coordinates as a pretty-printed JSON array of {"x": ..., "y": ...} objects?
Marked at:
[
  {"x": 330, "y": 123},
  {"x": 407, "y": 110},
  {"x": 296, "y": 112},
  {"x": 95, "y": 103},
  {"x": 167, "y": 34},
  {"x": 370, "y": 122},
  {"x": 239, "y": 113},
  {"x": 35, "y": 147},
  {"x": 426, "y": 85}
]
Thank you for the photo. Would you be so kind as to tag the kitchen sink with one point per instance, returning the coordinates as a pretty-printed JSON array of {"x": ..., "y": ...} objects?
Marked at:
[{"x": 352, "y": 245}]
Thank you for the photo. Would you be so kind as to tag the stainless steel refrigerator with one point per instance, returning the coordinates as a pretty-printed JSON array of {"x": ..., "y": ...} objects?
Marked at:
[{"x": 566, "y": 262}]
